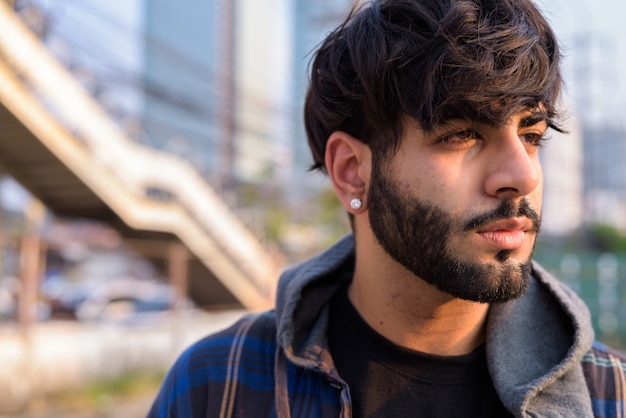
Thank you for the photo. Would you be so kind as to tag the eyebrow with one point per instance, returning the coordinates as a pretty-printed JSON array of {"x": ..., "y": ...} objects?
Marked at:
[{"x": 534, "y": 118}]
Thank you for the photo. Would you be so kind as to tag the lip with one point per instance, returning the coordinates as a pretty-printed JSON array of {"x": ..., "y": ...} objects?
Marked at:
[{"x": 506, "y": 234}]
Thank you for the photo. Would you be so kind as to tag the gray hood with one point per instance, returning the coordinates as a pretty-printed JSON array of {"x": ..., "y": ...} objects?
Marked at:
[{"x": 534, "y": 344}]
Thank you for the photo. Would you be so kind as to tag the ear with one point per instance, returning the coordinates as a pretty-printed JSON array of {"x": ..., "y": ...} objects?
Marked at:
[{"x": 348, "y": 162}]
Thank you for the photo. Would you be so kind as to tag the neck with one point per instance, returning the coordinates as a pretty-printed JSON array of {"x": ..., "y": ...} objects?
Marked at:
[{"x": 414, "y": 314}]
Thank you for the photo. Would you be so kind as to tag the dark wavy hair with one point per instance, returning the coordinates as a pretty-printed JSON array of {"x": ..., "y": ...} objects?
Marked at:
[{"x": 430, "y": 60}]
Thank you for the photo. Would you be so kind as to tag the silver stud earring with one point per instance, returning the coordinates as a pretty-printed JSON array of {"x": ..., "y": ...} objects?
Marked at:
[{"x": 355, "y": 203}]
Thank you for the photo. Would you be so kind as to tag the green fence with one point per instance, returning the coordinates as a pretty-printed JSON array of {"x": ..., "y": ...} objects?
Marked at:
[{"x": 600, "y": 280}]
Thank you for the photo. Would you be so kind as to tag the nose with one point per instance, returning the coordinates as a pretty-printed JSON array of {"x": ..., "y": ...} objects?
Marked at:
[{"x": 514, "y": 169}]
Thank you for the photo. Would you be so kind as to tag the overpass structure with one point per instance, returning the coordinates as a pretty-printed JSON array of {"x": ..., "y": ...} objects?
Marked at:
[{"x": 61, "y": 146}]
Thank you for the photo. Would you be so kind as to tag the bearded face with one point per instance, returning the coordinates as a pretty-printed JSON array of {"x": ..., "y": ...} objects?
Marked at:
[{"x": 433, "y": 243}]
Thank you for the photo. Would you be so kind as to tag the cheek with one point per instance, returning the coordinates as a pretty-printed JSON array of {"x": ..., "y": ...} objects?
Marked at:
[
  {"x": 444, "y": 182},
  {"x": 447, "y": 192},
  {"x": 407, "y": 185}
]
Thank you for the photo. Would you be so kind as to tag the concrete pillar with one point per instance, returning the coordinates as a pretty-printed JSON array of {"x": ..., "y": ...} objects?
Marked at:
[
  {"x": 178, "y": 269},
  {"x": 30, "y": 256}
]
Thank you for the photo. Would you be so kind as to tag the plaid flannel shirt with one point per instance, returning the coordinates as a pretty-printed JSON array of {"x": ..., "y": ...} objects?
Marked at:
[
  {"x": 540, "y": 351},
  {"x": 236, "y": 373}
]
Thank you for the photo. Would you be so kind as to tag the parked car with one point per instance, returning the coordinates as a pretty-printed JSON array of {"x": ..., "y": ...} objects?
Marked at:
[{"x": 121, "y": 301}]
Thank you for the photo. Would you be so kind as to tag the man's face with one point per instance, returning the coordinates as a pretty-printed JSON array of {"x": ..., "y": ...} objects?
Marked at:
[{"x": 459, "y": 206}]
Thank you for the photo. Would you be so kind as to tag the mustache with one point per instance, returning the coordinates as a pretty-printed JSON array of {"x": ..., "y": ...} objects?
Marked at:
[{"x": 507, "y": 209}]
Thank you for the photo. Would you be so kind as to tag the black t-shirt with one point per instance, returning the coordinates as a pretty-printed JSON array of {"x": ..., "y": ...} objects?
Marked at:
[{"x": 387, "y": 380}]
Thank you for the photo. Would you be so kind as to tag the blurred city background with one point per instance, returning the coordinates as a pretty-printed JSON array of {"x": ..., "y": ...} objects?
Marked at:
[{"x": 154, "y": 182}]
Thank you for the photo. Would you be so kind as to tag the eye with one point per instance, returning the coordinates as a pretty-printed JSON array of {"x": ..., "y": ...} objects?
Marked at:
[
  {"x": 459, "y": 137},
  {"x": 535, "y": 139}
]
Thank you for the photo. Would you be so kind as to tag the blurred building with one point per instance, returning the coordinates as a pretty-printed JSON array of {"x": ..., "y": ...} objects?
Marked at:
[
  {"x": 605, "y": 176},
  {"x": 263, "y": 49},
  {"x": 312, "y": 22},
  {"x": 226, "y": 83},
  {"x": 562, "y": 158},
  {"x": 585, "y": 178},
  {"x": 188, "y": 81},
  {"x": 222, "y": 85}
]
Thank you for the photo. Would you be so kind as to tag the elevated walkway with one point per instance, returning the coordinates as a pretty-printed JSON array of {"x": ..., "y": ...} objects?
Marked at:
[{"x": 57, "y": 142}]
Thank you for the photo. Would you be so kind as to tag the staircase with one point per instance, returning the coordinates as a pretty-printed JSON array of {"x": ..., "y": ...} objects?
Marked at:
[{"x": 58, "y": 142}]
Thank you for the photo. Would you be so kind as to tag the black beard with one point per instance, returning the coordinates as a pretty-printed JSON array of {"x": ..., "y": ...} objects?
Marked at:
[{"x": 416, "y": 235}]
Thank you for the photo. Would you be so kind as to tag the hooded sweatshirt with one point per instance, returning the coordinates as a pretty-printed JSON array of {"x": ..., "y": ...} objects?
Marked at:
[{"x": 540, "y": 351}]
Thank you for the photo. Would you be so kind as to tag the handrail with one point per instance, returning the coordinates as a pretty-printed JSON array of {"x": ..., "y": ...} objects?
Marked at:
[{"x": 136, "y": 166}]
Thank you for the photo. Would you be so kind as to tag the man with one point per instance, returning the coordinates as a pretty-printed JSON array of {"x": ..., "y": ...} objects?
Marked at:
[{"x": 428, "y": 117}]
